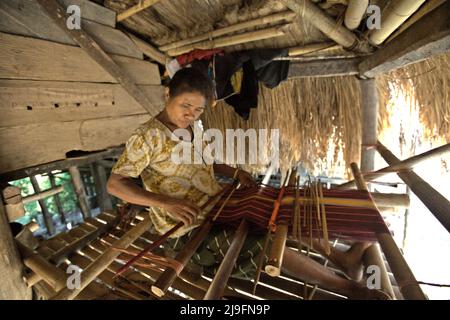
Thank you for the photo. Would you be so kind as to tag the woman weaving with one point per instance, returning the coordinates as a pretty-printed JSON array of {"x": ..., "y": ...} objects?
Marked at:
[{"x": 175, "y": 192}]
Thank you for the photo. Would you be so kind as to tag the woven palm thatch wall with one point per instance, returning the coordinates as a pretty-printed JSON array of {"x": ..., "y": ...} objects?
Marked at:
[
  {"x": 318, "y": 118},
  {"x": 425, "y": 84}
]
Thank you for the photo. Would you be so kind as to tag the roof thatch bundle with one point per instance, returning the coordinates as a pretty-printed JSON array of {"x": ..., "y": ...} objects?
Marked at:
[
  {"x": 426, "y": 84},
  {"x": 318, "y": 119}
]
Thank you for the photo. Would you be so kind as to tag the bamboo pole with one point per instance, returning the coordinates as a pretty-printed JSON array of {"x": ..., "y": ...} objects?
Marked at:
[
  {"x": 55, "y": 277},
  {"x": 80, "y": 191},
  {"x": 220, "y": 280},
  {"x": 312, "y": 48},
  {"x": 42, "y": 195},
  {"x": 403, "y": 275},
  {"x": 286, "y": 15},
  {"x": 100, "y": 264},
  {"x": 141, "y": 5},
  {"x": 231, "y": 40},
  {"x": 395, "y": 200},
  {"x": 372, "y": 256},
  {"x": 404, "y": 165},
  {"x": 318, "y": 18},
  {"x": 438, "y": 205},
  {"x": 273, "y": 266}
]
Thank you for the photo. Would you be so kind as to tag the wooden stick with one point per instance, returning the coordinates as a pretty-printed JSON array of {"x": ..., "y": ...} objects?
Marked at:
[
  {"x": 42, "y": 195},
  {"x": 231, "y": 40},
  {"x": 312, "y": 48},
  {"x": 220, "y": 280},
  {"x": 404, "y": 165},
  {"x": 438, "y": 205},
  {"x": 285, "y": 15},
  {"x": 141, "y": 5},
  {"x": 324, "y": 223},
  {"x": 402, "y": 273}
]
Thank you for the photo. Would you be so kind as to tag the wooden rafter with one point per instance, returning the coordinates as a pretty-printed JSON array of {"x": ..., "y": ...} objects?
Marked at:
[{"x": 142, "y": 5}]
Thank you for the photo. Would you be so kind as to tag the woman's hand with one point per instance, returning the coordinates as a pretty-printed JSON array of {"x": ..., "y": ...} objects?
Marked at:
[
  {"x": 182, "y": 210},
  {"x": 245, "y": 179}
]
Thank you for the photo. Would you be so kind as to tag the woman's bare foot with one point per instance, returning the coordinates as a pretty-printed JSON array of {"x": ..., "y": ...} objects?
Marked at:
[
  {"x": 364, "y": 293},
  {"x": 351, "y": 261}
]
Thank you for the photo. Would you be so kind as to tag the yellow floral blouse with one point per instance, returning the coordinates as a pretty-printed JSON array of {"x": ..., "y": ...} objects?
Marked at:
[{"x": 148, "y": 154}]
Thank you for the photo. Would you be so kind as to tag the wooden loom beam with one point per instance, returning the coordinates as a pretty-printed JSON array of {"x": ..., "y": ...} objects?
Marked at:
[{"x": 220, "y": 280}]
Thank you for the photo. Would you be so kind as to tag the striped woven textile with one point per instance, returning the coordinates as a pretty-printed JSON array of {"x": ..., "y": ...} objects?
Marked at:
[{"x": 351, "y": 214}]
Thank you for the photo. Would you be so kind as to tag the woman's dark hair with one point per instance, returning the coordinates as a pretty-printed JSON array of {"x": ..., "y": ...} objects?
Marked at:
[{"x": 192, "y": 80}]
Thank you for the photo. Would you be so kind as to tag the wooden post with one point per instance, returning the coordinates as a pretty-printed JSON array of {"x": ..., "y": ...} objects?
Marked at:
[
  {"x": 369, "y": 124},
  {"x": 100, "y": 180},
  {"x": 438, "y": 205},
  {"x": 404, "y": 165},
  {"x": 220, "y": 280},
  {"x": 47, "y": 216},
  {"x": 79, "y": 190},
  {"x": 12, "y": 286},
  {"x": 102, "y": 262},
  {"x": 58, "y": 199},
  {"x": 402, "y": 273}
]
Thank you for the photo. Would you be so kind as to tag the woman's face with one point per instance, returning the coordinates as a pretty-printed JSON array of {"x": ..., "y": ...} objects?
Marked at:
[{"x": 185, "y": 108}]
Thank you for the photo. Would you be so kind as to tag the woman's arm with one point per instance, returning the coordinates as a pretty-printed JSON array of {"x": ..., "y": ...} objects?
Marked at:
[
  {"x": 244, "y": 177},
  {"x": 124, "y": 188}
]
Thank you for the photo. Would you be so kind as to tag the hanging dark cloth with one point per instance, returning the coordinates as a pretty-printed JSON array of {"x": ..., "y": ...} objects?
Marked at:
[{"x": 257, "y": 65}]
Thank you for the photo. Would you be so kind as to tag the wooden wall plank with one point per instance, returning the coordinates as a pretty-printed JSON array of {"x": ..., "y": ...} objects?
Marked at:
[
  {"x": 26, "y": 18},
  {"x": 29, "y": 145},
  {"x": 35, "y": 59},
  {"x": 52, "y": 101}
]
